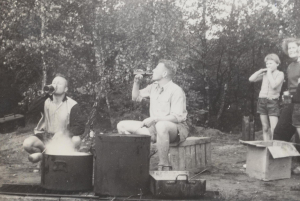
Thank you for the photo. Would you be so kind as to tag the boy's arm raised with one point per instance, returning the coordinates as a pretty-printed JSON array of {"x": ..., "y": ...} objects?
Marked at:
[{"x": 257, "y": 76}]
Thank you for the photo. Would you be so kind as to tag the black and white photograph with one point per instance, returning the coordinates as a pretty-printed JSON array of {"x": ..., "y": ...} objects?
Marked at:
[{"x": 145, "y": 100}]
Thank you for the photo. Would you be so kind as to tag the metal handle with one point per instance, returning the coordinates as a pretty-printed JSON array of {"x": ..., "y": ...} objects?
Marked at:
[
  {"x": 174, "y": 182},
  {"x": 60, "y": 166}
]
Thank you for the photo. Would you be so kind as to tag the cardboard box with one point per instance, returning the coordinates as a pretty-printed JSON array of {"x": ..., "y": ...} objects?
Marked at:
[{"x": 269, "y": 160}]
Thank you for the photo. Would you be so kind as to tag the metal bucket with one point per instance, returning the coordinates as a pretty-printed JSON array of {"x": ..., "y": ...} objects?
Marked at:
[
  {"x": 67, "y": 172},
  {"x": 122, "y": 164}
]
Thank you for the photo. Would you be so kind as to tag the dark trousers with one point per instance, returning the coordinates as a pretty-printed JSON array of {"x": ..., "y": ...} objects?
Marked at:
[{"x": 284, "y": 129}]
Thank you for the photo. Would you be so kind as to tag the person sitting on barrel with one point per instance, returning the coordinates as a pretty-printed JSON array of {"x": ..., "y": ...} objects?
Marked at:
[
  {"x": 167, "y": 121},
  {"x": 61, "y": 117}
]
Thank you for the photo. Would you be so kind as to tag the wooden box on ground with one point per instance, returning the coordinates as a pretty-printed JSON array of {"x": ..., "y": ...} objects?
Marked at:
[
  {"x": 194, "y": 154},
  {"x": 176, "y": 184},
  {"x": 269, "y": 160},
  {"x": 10, "y": 122}
]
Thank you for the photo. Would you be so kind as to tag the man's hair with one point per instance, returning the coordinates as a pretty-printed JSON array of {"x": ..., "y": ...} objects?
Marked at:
[
  {"x": 170, "y": 65},
  {"x": 272, "y": 57},
  {"x": 63, "y": 76},
  {"x": 286, "y": 42}
]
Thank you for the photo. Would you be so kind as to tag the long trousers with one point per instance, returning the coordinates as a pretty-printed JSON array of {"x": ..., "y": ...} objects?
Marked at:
[{"x": 284, "y": 129}]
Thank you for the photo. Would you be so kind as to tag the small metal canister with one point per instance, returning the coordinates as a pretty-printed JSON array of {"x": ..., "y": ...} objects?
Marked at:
[{"x": 287, "y": 99}]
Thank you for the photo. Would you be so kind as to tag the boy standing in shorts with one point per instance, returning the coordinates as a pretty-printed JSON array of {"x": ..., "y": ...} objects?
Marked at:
[{"x": 268, "y": 100}]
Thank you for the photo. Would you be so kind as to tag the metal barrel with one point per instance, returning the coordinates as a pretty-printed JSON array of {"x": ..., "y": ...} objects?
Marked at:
[{"x": 122, "y": 164}]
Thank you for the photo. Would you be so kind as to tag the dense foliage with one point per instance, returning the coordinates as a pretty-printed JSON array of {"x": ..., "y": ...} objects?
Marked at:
[{"x": 218, "y": 44}]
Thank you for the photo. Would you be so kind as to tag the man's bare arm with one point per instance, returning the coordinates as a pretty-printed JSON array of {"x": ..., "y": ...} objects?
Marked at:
[{"x": 136, "y": 87}]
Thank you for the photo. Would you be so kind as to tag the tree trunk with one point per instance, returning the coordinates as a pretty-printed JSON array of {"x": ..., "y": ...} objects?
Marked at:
[
  {"x": 109, "y": 110},
  {"x": 44, "y": 68},
  {"x": 204, "y": 46},
  {"x": 222, "y": 103}
]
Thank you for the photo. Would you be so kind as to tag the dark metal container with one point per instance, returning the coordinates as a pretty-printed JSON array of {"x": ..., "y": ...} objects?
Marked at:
[
  {"x": 176, "y": 184},
  {"x": 67, "y": 172},
  {"x": 122, "y": 165}
]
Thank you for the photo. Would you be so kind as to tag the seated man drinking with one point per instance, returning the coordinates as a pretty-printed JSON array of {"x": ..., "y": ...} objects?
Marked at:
[
  {"x": 61, "y": 117},
  {"x": 167, "y": 121}
]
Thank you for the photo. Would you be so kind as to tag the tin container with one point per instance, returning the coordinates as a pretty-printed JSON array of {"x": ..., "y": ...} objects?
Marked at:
[
  {"x": 67, "y": 172},
  {"x": 176, "y": 184}
]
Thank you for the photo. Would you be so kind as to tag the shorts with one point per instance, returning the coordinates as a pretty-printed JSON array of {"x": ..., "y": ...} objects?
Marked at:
[
  {"x": 296, "y": 115},
  {"x": 268, "y": 107},
  {"x": 182, "y": 128},
  {"x": 44, "y": 137}
]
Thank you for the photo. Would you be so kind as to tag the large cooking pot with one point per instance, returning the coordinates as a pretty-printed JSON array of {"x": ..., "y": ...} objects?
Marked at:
[{"x": 67, "y": 172}]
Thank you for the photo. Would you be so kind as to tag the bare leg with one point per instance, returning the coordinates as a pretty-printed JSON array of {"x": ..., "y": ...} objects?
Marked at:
[
  {"x": 34, "y": 146},
  {"x": 166, "y": 132},
  {"x": 132, "y": 127},
  {"x": 273, "y": 123},
  {"x": 265, "y": 126}
]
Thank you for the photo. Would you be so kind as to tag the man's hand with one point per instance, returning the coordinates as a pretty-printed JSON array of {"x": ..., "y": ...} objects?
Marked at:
[
  {"x": 148, "y": 122},
  {"x": 138, "y": 78},
  {"x": 298, "y": 80}
]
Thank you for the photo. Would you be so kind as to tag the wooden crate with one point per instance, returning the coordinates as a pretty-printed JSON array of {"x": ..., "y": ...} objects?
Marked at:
[
  {"x": 193, "y": 154},
  {"x": 10, "y": 122}
]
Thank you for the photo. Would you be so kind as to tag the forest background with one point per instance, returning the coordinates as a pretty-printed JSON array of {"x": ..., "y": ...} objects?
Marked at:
[{"x": 97, "y": 44}]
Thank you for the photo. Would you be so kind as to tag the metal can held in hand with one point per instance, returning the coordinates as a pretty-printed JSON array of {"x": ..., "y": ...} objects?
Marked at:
[
  {"x": 49, "y": 88},
  {"x": 287, "y": 99}
]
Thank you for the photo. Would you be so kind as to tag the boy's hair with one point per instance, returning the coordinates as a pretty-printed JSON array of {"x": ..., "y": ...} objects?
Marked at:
[
  {"x": 63, "y": 76},
  {"x": 170, "y": 65},
  {"x": 272, "y": 57},
  {"x": 286, "y": 42}
]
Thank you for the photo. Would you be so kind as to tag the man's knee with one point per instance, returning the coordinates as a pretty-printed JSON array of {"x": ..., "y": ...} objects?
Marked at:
[
  {"x": 120, "y": 126},
  {"x": 30, "y": 143},
  {"x": 27, "y": 144},
  {"x": 162, "y": 127}
]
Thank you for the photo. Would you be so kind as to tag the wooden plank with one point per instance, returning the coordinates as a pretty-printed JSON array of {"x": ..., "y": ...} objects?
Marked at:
[
  {"x": 208, "y": 154},
  {"x": 203, "y": 155},
  {"x": 188, "y": 158},
  {"x": 192, "y": 141},
  {"x": 193, "y": 156},
  {"x": 198, "y": 156},
  {"x": 174, "y": 157},
  {"x": 181, "y": 158}
]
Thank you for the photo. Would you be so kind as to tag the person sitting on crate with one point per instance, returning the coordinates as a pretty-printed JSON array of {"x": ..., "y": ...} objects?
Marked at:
[
  {"x": 167, "y": 121},
  {"x": 61, "y": 115}
]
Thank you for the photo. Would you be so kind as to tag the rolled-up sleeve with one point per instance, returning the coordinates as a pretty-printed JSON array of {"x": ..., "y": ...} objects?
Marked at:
[
  {"x": 178, "y": 106},
  {"x": 144, "y": 93}
]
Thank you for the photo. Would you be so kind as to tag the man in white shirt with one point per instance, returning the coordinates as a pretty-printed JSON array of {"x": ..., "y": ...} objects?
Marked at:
[{"x": 167, "y": 121}]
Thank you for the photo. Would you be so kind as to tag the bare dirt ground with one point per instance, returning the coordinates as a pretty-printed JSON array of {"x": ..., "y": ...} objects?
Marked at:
[{"x": 226, "y": 175}]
